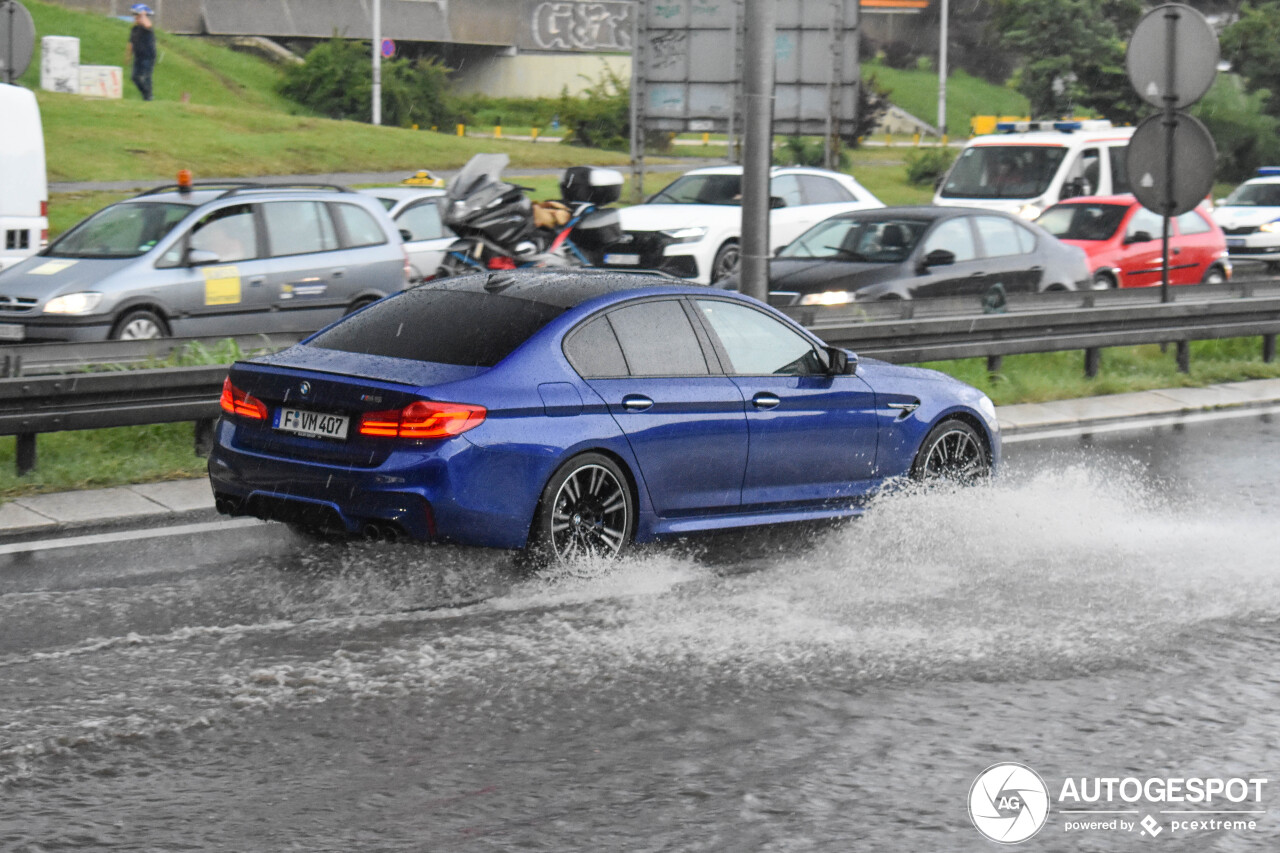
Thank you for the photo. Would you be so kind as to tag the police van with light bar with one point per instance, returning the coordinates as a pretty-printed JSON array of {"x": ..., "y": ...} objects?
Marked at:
[
  {"x": 1250, "y": 217},
  {"x": 1028, "y": 165}
]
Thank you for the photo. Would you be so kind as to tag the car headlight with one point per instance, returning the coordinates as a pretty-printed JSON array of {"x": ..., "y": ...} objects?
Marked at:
[
  {"x": 828, "y": 297},
  {"x": 73, "y": 303},
  {"x": 1030, "y": 211},
  {"x": 691, "y": 234},
  {"x": 987, "y": 408},
  {"x": 1270, "y": 227}
]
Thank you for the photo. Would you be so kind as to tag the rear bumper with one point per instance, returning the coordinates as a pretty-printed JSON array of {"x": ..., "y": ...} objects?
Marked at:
[{"x": 447, "y": 491}]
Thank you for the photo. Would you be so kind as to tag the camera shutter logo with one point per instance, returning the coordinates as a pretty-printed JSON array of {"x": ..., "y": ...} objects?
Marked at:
[{"x": 1008, "y": 803}]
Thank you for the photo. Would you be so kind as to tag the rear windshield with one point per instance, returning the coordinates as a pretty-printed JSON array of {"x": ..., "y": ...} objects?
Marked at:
[
  {"x": 123, "y": 230},
  {"x": 442, "y": 326}
]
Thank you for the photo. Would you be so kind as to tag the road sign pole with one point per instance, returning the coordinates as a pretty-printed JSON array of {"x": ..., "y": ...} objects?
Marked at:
[
  {"x": 759, "y": 54},
  {"x": 1171, "y": 17}
]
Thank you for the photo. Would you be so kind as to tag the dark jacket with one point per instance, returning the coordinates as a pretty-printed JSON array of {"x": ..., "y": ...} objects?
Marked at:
[{"x": 143, "y": 40}]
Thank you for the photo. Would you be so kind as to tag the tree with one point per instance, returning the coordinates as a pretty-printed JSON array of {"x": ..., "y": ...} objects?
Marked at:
[
  {"x": 336, "y": 80},
  {"x": 1252, "y": 46},
  {"x": 1072, "y": 53}
]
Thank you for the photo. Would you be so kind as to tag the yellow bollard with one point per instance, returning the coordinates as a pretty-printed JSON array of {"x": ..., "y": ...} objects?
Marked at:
[
  {"x": 534, "y": 133},
  {"x": 944, "y": 140},
  {"x": 915, "y": 139},
  {"x": 888, "y": 140},
  {"x": 462, "y": 130},
  {"x": 414, "y": 126},
  {"x": 706, "y": 139},
  {"x": 497, "y": 131}
]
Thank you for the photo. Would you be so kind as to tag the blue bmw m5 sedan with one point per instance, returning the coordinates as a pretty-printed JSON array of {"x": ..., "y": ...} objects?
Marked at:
[{"x": 577, "y": 412}]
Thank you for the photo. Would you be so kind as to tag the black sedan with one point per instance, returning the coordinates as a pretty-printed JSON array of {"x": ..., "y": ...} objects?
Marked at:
[{"x": 914, "y": 252}]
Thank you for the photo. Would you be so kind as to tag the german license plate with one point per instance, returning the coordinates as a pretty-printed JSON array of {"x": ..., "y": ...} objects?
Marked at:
[
  {"x": 315, "y": 424},
  {"x": 1235, "y": 242},
  {"x": 12, "y": 332},
  {"x": 622, "y": 260}
]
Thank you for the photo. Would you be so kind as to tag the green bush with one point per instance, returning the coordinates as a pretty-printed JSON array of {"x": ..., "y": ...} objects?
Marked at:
[
  {"x": 601, "y": 116},
  {"x": 928, "y": 165},
  {"x": 336, "y": 80}
]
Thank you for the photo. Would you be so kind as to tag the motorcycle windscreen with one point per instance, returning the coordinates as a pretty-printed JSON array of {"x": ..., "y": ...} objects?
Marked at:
[{"x": 479, "y": 169}]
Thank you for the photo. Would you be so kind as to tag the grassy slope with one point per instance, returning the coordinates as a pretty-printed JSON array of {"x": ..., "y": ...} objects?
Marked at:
[{"x": 917, "y": 93}]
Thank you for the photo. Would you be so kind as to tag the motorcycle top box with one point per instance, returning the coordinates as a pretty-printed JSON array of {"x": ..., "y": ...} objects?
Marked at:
[{"x": 591, "y": 185}]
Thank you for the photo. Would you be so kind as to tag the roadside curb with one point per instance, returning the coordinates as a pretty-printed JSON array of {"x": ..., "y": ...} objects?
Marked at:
[{"x": 186, "y": 501}]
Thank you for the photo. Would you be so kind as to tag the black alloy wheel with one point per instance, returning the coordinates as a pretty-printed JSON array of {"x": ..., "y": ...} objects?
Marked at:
[
  {"x": 585, "y": 510},
  {"x": 953, "y": 451}
]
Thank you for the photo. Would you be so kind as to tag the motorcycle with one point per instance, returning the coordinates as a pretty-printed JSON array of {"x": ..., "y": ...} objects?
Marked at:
[{"x": 498, "y": 227}]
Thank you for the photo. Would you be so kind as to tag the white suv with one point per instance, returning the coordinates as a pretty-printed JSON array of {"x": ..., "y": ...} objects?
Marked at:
[
  {"x": 692, "y": 228},
  {"x": 1250, "y": 217}
]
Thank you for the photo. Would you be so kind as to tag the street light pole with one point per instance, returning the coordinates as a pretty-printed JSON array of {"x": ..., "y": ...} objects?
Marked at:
[
  {"x": 942, "y": 73},
  {"x": 377, "y": 62},
  {"x": 759, "y": 54}
]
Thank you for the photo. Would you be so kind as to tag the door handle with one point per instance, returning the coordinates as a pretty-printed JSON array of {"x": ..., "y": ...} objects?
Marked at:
[
  {"x": 765, "y": 400},
  {"x": 257, "y": 280},
  {"x": 340, "y": 272},
  {"x": 636, "y": 403}
]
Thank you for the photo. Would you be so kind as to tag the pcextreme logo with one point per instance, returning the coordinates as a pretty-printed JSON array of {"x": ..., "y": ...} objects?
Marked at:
[{"x": 1009, "y": 803}]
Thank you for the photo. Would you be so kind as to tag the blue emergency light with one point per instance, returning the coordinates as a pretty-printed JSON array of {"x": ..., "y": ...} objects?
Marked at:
[{"x": 1269, "y": 171}]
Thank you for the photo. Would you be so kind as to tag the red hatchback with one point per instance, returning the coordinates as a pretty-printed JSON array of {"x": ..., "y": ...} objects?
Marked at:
[{"x": 1122, "y": 240}]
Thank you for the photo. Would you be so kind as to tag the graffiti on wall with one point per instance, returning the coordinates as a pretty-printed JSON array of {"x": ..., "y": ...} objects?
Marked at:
[{"x": 570, "y": 25}]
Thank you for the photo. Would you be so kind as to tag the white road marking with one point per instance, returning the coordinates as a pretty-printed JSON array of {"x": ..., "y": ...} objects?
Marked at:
[
  {"x": 128, "y": 535},
  {"x": 1143, "y": 422}
]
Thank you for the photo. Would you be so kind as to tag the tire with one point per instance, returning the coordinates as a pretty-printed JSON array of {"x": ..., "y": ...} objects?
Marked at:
[
  {"x": 139, "y": 325},
  {"x": 726, "y": 262},
  {"x": 361, "y": 303},
  {"x": 1106, "y": 279},
  {"x": 586, "y": 509},
  {"x": 952, "y": 451},
  {"x": 1214, "y": 275},
  {"x": 451, "y": 266}
]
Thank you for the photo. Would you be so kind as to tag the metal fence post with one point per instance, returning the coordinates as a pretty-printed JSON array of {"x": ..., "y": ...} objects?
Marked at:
[
  {"x": 25, "y": 455},
  {"x": 1184, "y": 356},
  {"x": 1092, "y": 362},
  {"x": 1268, "y": 348}
]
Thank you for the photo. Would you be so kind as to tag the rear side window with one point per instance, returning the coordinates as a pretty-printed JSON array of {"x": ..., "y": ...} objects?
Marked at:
[
  {"x": 594, "y": 352},
  {"x": 658, "y": 340},
  {"x": 229, "y": 233},
  {"x": 443, "y": 326},
  {"x": 299, "y": 227},
  {"x": 819, "y": 190},
  {"x": 358, "y": 225},
  {"x": 999, "y": 236},
  {"x": 1119, "y": 155},
  {"x": 1192, "y": 222}
]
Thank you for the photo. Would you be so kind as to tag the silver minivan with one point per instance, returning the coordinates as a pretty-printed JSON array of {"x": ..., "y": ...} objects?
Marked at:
[{"x": 223, "y": 259}]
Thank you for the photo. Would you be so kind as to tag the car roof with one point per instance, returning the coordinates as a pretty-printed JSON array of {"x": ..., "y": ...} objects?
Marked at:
[
  {"x": 773, "y": 170},
  {"x": 913, "y": 212},
  {"x": 201, "y": 194},
  {"x": 564, "y": 288}
]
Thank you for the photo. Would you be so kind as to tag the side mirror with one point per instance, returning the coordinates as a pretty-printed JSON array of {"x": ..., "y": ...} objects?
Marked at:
[
  {"x": 937, "y": 258},
  {"x": 777, "y": 201},
  {"x": 1138, "y": 237},
  {"x": 840, "y": 362},
  {"x": 406, "y": 235},
  {"x": 201, "y": 257},
  {"x": 778, "y": 251}
]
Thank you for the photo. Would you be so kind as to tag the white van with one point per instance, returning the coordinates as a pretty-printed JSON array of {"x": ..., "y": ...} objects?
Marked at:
[
  {"x": 24, "y": 189},
  {"x": 1030, "y": 165}
]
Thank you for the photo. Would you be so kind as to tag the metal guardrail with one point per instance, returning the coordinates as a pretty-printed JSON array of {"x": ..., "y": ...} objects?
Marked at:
[
  {"x": 924, "y": 330},
  {"x": 939, "y": 329}
]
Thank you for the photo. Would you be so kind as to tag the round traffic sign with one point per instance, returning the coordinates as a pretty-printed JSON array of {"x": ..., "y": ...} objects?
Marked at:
[
  {"x": 388, "y": 48},
  {"x": 1171, "y": 186},
  {"x": 17, "y": 40},
  {"x": 1173, "y": 37}
]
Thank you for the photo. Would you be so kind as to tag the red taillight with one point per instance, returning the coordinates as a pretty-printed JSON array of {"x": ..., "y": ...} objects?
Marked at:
[
  {"x": 44, "y": 209},
  {"x": 502, "y": 262},
  {"x": 237, "y": 402},
  {"x": 423, "y": 419}
]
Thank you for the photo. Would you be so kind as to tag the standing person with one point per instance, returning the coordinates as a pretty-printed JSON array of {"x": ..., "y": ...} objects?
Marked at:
[{"x": 142, "y": 47}]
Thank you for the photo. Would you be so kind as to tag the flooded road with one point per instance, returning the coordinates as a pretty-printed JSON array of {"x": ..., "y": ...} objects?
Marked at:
[{"x": 1110, "y": 607}]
